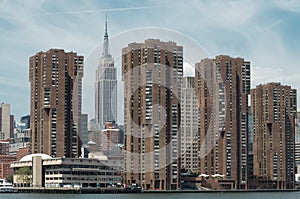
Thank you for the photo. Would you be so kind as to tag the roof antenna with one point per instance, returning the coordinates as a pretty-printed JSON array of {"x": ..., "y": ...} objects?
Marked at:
[{"x": 106, "y": 25}]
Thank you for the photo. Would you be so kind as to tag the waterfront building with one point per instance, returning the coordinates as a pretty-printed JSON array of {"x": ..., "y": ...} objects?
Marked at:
[
  {"x": 190, "y": 139},
  {"x": 55, "y": 102},
  {"x": 65, "y": 172},
  {"x": 106, "y": 86},
  {"x": 152, "y": 73},
  {"x": 223, "y": 86},
  {"x": 274, "y": 108},
  {"x": 5, "y": 159}
]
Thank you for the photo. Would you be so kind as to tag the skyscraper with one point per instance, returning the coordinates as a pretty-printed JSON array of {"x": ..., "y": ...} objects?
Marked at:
[
  {"x": 223, "y": 86},
  {"x": 274, "y": 109},
  {"x": 84, "y": 129},
  {"x": 26, "y": 121},
  {"x": 152, "y": 73},
  {"x": 6, "y": 122},
  {"x": 190, "y": 139},
  {"x": 55, "y": 102},
  {"x": 106, "y": 86}
]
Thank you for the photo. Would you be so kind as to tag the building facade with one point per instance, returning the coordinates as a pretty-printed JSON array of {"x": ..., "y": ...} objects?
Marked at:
[
  {"x": 297, "y": 146},
  {"x": 250, "y": 145},
  {"x": 55, "y": 102},
  {"x": 22, "y": 138},
  {"x": 84, "y": 129},
  {"x": 106, "y": 87},
  {"x": 190, "y": 139},
  {"x": 223, "y": 86},
  {"x": 5, "y": 159},
  {"x": 4, "y": 147},
  {"x": 152, "y": 73},
  {"x": 274, "y": 108},
  {"x": 26, "y": 121},
  {"x": 5, "y": 169},
  {"x": 110, "y": 137},
  {"x": 65, "y": 172},
  {"x": 6, "y": 122}
]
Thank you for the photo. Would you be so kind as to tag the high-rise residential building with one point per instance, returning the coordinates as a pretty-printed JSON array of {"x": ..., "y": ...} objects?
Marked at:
[
  {"x": 274, "y": 109},
  {"x": 6, "y": 122},
  {"x": 106, "y": 86},
  {"x": 223, "y": 86},
  {"x": 297, "y": 151},
  {"x": 190, "y": 139},
  {"x": 55, "y": 102},
  {"x": 152, "y": 73},
  {"x": 250, "y": 145},
  {"x": 297, "y": 146}
]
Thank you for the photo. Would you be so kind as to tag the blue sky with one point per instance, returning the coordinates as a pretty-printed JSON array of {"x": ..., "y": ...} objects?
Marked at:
[{"x": 263, "y": 32}]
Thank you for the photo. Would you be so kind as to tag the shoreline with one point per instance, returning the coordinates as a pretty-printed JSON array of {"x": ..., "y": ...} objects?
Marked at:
[{"x": 134, "y": 191}]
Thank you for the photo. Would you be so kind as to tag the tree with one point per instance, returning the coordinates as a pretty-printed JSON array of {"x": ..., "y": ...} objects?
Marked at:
[
  {"x": 24, "y": 175},
  {"x": 10, "y": 178}
]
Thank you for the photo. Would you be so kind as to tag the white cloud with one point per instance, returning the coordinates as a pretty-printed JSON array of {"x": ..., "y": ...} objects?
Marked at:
[{"x": 289, "y": 5}]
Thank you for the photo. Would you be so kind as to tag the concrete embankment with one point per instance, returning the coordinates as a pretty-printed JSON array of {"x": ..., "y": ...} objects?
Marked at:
[
  {"x": 88, "y": 190},
  {"x": 78, "y": 190}
]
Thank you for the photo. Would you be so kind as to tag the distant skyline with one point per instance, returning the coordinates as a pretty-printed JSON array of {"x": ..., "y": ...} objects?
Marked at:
[{"x": 266, "y": 33}]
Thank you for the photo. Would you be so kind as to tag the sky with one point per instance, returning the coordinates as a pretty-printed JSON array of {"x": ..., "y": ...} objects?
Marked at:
[{"x": 266, "y": 33}]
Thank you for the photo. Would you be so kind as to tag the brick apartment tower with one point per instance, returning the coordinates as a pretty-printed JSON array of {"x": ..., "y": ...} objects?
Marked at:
[
  {"x": 274, "y": 109},
  {"x": 152, "y": 73},
  {"x": 55, "y": 102},
  {"x": 223, "y": 86}
]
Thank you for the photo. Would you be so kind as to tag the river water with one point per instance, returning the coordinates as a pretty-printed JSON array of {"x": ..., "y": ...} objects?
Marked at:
[{"x": 238, "y": 195}]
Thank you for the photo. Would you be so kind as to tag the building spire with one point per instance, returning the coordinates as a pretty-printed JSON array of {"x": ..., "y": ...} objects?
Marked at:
[
  {"x": 106, "y": 35},
  {"x": 105, "y": 52}
]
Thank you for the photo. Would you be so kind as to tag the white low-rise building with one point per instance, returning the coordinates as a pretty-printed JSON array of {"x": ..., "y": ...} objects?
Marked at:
[{"x": 65, "y": 172}]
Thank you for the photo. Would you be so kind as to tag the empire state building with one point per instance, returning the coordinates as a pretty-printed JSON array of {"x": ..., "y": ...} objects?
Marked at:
[{"x": 106, "y": 86}]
